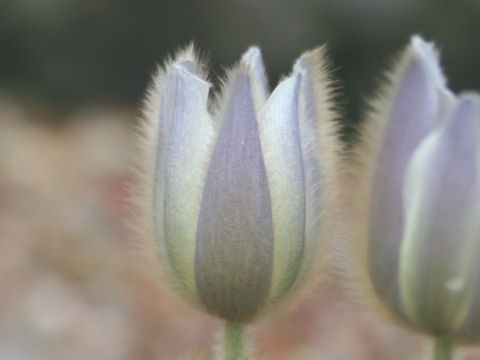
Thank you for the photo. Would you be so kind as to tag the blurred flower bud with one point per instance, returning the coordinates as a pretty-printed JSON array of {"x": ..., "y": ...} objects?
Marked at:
[
  {"x": 238, "y": 189},
  {"x": 422, "y": 189}
]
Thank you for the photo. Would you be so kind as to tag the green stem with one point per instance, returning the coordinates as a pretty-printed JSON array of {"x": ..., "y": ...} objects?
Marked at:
[
  {"x": 443, "y": 349},
  {"x": 233, "y": 341}
]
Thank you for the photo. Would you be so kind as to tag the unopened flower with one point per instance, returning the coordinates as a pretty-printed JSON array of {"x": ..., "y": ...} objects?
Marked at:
[
  {"x": 237, "y": 190},
  {"x": 421, "y": 199}
]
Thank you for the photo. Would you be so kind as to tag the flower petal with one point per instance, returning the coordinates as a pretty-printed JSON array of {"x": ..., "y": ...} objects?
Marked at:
[
  {"x": 185, "y": 136},
  {"x": 440, "y": 244},
  {"x": 233, "y": 259},
  {"x": 404, "y": 117},
  {"x": 252, "y": 60},
  {"x": 280, "y": 136},
  {"x": 318, "y": 134}
]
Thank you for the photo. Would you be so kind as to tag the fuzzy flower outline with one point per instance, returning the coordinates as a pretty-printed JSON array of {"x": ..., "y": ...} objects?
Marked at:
[
  {"x": 237, "y": 189},
  {"x": 417, "y": 220}
]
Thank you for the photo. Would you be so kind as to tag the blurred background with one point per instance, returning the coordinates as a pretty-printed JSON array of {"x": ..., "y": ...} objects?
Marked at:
[{"x": 72, "y": 77}]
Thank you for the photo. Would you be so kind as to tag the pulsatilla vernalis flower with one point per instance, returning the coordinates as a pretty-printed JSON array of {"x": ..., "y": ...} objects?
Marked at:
[
  {"x": 238, "y": 187},
  {"x": 422, "y": 192}
]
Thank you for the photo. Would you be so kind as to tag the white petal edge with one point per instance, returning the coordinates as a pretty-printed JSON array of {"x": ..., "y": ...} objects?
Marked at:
[
  {"x": 319, "y": 151},
  {"x": 280, "y": 139},
  {"x": 187, "y": 133}
]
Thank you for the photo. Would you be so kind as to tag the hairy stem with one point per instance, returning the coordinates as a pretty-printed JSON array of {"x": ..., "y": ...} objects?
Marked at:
[
  {"x": 443, "y": 349},
  {"x": 234, "y": 341}
]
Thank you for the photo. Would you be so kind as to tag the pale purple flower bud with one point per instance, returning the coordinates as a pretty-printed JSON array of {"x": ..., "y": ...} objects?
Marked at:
[
  {"x": 440, "y": 245},
  {"x": 422, "y": 186},
  {"x": 239, "y": 190}
]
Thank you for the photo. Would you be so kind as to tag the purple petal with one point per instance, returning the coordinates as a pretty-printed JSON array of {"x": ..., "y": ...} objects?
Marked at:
[
  {"x": 406, "y": 116},
  {"x": 185, "y": 136},
  {"x": 280, "y": 136},
  {"x": 233, "y": 259},
  {"x": 438, "y": 263}
]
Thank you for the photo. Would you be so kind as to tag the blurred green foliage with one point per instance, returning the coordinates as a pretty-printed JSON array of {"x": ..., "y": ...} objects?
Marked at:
[{"x": 67, "y": 53}]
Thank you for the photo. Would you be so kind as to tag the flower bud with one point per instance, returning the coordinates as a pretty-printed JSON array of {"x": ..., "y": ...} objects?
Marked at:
[
  {"x": 439, "y": 249},
  {"x": 421, "y": 189},
  {"x": 237, "y": 192}
]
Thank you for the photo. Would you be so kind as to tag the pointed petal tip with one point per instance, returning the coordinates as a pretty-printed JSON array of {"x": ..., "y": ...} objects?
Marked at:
[
  {"x": 309, "y": 58},
  {"x": 190, "y": 71},
  {"x": 188, "y": 60},
  {"x": 252, "y": 54},
  {"x": 251, "y": 63},
  {"x": 187, "y": 64},
  {"x": 427, "y": 53},
  {"x": 419, "y": 43}
]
